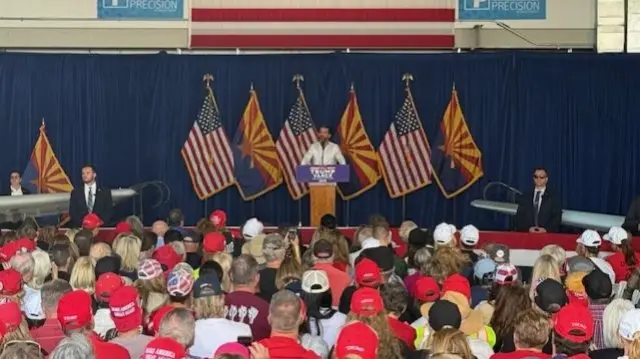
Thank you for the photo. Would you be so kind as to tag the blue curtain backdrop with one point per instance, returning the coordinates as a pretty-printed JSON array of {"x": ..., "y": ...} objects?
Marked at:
[{"x": 576, "y": 114}]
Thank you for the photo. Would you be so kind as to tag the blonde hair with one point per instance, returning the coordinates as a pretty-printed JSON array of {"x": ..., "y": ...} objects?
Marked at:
[
  {"x": 83, "y": 275},
  {"x": 209, "y": 307},
  {"x": 634, "y": 347},
  {"x": 389, "y": 347},
  {"x": 99, "y": 250},
  {"x": 545, "y": 267},
  {"x": 405, "y": 228},
  {"x": 450, "y": 341},
  {"x": 445, "y": 262},
  {"x": 224, "y": 260},
  {"x": 128, "y": 248},
  {"x": 146, "y": 288},
  {"x": 363, "y": 232},
  {"x": 558, "y": 253},
  {"x": 531, "y": 330},
  {"x": 180, "y": 249},
  {"x": 41, "y": 268},
  {"x": 611, "y": 321},
  {"x": 289, "y": 270},
  {"x": 71, "y": 234}
]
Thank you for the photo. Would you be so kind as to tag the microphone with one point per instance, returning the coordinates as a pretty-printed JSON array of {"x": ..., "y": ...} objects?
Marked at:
[{"x": 501, "y": 184}]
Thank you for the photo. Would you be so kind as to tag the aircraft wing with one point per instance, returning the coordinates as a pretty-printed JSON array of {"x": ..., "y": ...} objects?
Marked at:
[
  {"x": 13, "y": 208},
  {"x": 579, "y": 219}
]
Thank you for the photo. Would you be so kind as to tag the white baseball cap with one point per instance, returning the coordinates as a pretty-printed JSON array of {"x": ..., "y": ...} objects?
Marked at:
[
  {"x": 443, "y": 234},
  {"x": 315, "y": 281},
  {"x": 616, "y": 235},
  {"x": 590, "y": 238},
  {"x": 252, "y": 228},
  {"x": 469, "y": 235},
  {"x": 629, "y": 324}
]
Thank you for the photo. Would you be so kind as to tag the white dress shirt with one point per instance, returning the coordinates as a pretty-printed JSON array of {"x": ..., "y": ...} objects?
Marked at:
[
  {"x": 319, "y": 156},
  {"x": 90, "y": 188},
  {"x": 16, "y": 191}
]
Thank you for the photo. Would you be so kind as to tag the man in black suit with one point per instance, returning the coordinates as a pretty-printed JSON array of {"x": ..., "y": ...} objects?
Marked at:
[
  {"x": 89, "y": 198},
  {"x": 539, "y": 210},
  {"x": 15, "y": 188}
]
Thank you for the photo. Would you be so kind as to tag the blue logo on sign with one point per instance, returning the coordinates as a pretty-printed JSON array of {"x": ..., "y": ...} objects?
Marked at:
[
  {"x": 141, "y": 9},
  {"x": 502, "y": 9}
]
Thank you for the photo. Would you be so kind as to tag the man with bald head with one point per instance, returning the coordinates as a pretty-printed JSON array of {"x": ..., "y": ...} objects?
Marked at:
[{"x": 160, "y": 228}]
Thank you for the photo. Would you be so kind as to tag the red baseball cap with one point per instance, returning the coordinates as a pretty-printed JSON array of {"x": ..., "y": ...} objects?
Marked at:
[
  {"x": 91, "y": 221},
  {"x": 106, "y": 284},
  {"x": 213, "y": 242},
  {"x": 368, "y": 274},
  {"x": 74, "y": 310},
  {"x": 233, "y": 348},
  {"x": 10, "y": 315},
  {"x": 123, "y": 227},
  {"x": 167, "y": 256},
  {"x": 366, "y": 302},
  {"x": 157, "y": 316},
  {"x": 218, "y": 218},
  {"x": 164, "y": 348},
  {"x": 10, "y": 282},
  {"x": 575, "y": 323},
  {"x": 426, "y": 289},
  {"x": 357, "y": 338},
  {"x": 8, "y": 251},
  {"x": 125, "y": 310},
  {"x": 25, "y": 244},
  {"x": 457, "y": 283}
]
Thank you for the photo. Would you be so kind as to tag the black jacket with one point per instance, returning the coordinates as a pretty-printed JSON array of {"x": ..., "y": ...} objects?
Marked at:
[
  {"x": 102, "y": 205},
  {"x": 632, "y": 220},
  {"x": 549, "y": 216}
]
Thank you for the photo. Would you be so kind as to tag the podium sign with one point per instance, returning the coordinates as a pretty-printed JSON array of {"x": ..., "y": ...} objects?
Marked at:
[
  {"x": 322, "y": 174},
  {"x": 322, "y": 188}
]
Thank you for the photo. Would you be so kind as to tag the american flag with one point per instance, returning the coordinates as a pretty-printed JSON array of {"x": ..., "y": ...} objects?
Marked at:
[
  {"x": 404, "y": 152},
  {"x": 296, "y": 136},
  {"x": 326, "y": 24},
  {"x": 207, "y": 152}
]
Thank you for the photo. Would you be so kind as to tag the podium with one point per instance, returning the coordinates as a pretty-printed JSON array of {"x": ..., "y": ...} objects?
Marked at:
[{"x": 322, "y": 182}]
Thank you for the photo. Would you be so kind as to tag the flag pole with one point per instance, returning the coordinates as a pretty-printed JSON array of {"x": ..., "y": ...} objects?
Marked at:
[
  {"x": 207, "y": 79},
  {"x": 297, "y": 79},
  {"x": 404, "y": 207}
]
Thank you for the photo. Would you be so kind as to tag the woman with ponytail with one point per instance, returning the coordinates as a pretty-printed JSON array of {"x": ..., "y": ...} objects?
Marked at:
[
  {"x": 625, "y": 259},
  {"x": 629, "y": 331}
]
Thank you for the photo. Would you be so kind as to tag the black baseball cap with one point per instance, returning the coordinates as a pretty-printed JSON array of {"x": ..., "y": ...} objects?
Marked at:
[
  {"x": 597, "y": 285},
  {"x": 383, "y": 256},
  {"x": 442, "y": 314},
  {"x": 323, "y": 249},
  {"x": 207, "y": 286},
  {"x": 550, "y": 296}
]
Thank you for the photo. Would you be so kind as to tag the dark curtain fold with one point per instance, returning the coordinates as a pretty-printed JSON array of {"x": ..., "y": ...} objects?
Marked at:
[{"x": 575, "y": 114}]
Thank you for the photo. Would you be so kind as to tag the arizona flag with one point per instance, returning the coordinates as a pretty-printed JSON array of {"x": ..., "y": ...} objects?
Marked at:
[
  {"x": 456, "y": 159},
  {"x": 257, "y": 170},
  {"x": 44, "y": 174},
  {"x": 357, "y": 148}
]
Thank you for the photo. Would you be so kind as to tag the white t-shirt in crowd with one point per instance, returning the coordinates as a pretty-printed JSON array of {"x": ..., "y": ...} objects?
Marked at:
[
  {"x": 329, "y": 327},
  {"x": 225, "y": 330}
]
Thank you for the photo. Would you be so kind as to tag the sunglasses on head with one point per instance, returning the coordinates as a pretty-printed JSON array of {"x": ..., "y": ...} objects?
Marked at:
[{"x": 539, "y": 177}]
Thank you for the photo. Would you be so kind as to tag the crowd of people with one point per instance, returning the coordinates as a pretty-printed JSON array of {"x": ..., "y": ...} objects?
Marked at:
[{"x": 175, "y": 292}]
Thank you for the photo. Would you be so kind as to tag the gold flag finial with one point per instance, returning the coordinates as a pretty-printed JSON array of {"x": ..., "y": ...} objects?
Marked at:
[
  {"x": 251, "y": 87},
  {"x": 42, "y": 125},
  {"x": 407, "y": 78},
  {"x": 207, "y": 79},
  {"x": 352, "y": 87},
  {"x": 297, "y": 79}
]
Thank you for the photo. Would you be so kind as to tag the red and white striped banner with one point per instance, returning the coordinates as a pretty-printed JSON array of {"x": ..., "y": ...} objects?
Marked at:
[{"x": 323, "y": 24}]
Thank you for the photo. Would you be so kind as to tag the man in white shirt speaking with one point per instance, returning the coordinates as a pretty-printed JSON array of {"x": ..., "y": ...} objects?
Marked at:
[{"x": 323, "y": 152}]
